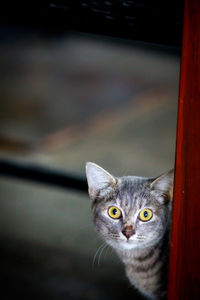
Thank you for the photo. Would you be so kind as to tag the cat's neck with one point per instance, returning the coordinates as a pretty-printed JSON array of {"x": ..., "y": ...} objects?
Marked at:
[{"x": 137, "y": 253}]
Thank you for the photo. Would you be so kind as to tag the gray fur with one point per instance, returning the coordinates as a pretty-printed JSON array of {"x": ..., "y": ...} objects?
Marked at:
[{"x": 145, "y": 253}]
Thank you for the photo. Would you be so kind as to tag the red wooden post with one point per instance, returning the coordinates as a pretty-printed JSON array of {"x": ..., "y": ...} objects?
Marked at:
[{"x": 184, "y": 272}]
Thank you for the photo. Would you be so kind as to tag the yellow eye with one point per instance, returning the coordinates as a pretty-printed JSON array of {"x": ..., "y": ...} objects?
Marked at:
[
  {"x": 114, "y": 212},
  {"x": 145, "y": 214}
]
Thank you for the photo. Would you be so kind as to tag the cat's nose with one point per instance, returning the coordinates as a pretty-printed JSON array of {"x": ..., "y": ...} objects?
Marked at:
[{"x": 128, "y": 231}]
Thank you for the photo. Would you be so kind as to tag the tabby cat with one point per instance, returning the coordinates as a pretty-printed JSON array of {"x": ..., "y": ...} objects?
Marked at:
[{"x": 132, "y": 214}]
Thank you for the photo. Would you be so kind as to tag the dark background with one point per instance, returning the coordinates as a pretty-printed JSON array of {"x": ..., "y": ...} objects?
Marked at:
[{"x": 69, "y": 96}]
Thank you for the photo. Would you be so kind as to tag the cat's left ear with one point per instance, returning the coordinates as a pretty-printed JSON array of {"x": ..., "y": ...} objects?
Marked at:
[{"x": 164, "y": 185}]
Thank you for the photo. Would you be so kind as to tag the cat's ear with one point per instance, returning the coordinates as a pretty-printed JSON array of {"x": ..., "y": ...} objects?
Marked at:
[
  {"x": 164, "y": 185},
  {"x": 98, "y": 179}
]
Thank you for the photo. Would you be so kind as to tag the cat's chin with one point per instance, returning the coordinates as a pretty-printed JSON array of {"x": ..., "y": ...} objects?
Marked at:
[
  {"x": 129, "y": 245},
  {"x": 125, "y": 245}
]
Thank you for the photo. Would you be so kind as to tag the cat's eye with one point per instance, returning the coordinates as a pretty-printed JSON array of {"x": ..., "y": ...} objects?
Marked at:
[
  {"x": 114, "y": 212},
  {"x": 145, "y": 214}
]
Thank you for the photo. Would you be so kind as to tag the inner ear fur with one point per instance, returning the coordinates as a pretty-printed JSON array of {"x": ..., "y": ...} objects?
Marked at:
[
  {"x": 99, "y": 180},
  {"x": 164, "y": 184}
]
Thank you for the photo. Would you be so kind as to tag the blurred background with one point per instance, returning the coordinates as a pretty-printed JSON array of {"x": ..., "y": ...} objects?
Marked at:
[{"x": 65, "y": 101}]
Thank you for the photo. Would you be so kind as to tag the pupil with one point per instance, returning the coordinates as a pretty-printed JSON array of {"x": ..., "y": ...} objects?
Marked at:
[
  {"x": 114, "y": 211},
  {"x": 146, "y": 214}
]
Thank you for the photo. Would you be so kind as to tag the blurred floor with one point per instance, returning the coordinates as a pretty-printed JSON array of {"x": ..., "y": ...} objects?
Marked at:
[{"x": 64, "y": 102}]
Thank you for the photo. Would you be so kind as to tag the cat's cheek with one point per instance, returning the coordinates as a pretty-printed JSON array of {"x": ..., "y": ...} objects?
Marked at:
[
  {"x": 102, "y": 226},
  {"x": 116, "y": 245}
]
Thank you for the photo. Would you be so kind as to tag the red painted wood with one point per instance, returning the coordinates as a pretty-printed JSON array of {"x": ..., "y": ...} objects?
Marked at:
[{"x": 184, "y": 272}]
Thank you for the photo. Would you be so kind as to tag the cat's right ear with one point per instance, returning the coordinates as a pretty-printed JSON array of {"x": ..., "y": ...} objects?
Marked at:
[
  {"x": 164, "y": 184},
  {"x": 99, "y": 180}
]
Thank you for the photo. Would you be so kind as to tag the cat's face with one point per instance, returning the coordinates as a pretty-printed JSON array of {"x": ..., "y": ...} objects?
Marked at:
[{"x": 129, "y": 212}]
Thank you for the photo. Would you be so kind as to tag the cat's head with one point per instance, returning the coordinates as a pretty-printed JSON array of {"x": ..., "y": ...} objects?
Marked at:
[{"x": 130, "y": 212}]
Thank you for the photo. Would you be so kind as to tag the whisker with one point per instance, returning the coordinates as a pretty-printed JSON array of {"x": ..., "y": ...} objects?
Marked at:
[
  {"x": 106, "y": 251},
  {"x": 96, "y": 253},
  {"x": 106, "y": 245}
]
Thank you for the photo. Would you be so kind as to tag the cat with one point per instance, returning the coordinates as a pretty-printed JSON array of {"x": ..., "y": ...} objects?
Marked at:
[{"x": 132, "y": 214}]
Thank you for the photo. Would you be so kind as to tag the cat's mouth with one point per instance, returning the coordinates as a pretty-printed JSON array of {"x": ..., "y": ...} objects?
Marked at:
[{"x": 133, "y": 241}]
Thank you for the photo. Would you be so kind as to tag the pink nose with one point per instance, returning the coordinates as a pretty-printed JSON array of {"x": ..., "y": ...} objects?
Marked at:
[{"x": 128, "y": 231}]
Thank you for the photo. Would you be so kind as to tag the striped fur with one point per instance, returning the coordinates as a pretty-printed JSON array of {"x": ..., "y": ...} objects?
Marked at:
[{"x": 145, "y": 252}]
